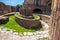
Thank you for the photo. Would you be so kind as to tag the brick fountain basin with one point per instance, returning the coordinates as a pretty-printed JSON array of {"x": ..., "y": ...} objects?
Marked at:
[{"x": 27, "y": 21}]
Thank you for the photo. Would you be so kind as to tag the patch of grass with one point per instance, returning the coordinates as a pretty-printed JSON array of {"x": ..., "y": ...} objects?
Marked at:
[
  {"x": 35, "y": 16},
  {"x": 14, "y": 26},
  {"x": 45, "y": 38},
  {"x": 19, "y": 15}
]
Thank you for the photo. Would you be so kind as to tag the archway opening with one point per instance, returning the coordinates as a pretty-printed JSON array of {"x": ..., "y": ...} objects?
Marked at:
[
  {"x": 49, "y": 5},
  {"x": 37, "y": 11}
]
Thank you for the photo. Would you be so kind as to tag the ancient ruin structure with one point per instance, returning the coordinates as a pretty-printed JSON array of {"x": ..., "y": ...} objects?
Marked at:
[
  {"x": 55, "y": 21},
  {"x": 36, "y": 7},
  {"x": 13, "y": 9},
  {"x": 8, "y": 8},
  {"x": 4, "y": 8}
]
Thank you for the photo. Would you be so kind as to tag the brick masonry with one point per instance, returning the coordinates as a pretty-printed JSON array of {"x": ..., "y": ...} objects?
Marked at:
[
  {"x": 29, "y": 6},
  {"x": 28, "y": 23},
  {"x": 4, "y": 8}
]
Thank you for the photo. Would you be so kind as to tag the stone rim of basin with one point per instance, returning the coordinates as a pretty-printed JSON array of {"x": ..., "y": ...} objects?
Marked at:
[{"x": 38, "y": 18}]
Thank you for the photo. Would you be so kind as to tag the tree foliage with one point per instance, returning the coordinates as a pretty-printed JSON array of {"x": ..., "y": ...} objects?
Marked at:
[{"x": 18, "y": 6}]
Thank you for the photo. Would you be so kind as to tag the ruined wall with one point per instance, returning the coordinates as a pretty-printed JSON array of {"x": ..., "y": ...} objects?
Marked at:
[
  {"x": 29, "y": 6},
  {"x": 8, "y": 8},
  {"x": 32, "y": 2},
  {"x": 25, "y": 11},
  {"x": 4, "y": 8},
  {"x": 28, "y": 2},
  {"x": 13, "y": 9}
]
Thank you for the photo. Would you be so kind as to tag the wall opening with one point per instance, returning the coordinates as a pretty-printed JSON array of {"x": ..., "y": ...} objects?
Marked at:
[
  {"x": 37, "y": 11},
  {"x": 49, "y": 5}
]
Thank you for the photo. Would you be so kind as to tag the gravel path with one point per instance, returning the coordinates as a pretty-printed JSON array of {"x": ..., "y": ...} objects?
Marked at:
[{"x": 12, "y": 35}]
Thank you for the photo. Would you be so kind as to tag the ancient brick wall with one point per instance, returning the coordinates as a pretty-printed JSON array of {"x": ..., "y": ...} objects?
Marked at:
[
  {"x": 29, "y": 2},
  {"x": 8, "y": 8},
  {"x": 32, "y": 2},
  {"x": 25, "y": 11},
  {"x": 29, "y": 6},
  {"x": 13, "y": 9},
  {"x": 4, "y": 8}
]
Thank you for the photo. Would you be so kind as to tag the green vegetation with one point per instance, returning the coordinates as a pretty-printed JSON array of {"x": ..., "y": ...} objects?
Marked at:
[
  {"x": 17, "y": 7},
  {"x": 45, "y": 38},
  {"x": 19, "y": 15},
  {"x": 35, "y": 16},
  {"x": 14, "y": 26}
]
